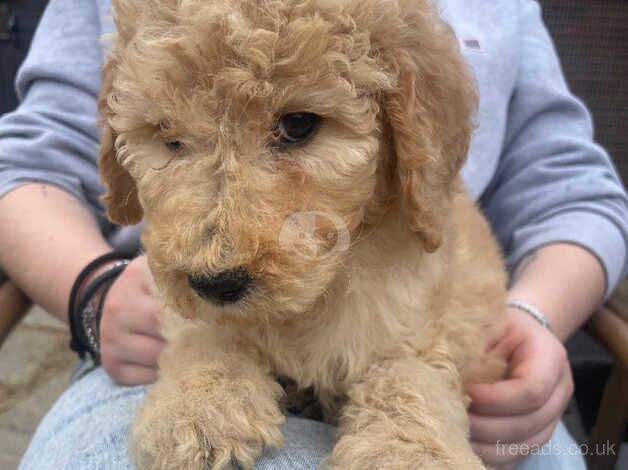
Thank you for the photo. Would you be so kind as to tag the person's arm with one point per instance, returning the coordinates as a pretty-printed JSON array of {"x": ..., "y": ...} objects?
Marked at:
[
  {"x": 47, "y": 236},
  {"x": 560, "y": 212},
  {"x": 553, "y": 183},
  {"x": 51, "y": 219},
  {"x": 53, "y": 137},
  {"x": 565, "y": 282}
]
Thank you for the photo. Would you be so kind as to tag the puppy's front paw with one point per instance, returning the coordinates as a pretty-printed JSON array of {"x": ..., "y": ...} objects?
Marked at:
[
  {"x": 188, "y": 446},
  {"x": 184, "y": 428},
  {"x": 386, "y": 453}
]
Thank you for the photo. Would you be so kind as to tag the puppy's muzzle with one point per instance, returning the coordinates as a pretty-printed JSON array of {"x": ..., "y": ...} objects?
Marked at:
[{"x": 225, "y": 287}]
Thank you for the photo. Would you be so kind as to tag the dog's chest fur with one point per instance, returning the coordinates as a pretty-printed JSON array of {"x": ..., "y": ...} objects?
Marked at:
[{"x": 379, "y": 300}]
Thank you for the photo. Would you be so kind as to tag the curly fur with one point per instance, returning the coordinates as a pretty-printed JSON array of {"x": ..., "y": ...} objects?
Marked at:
[{"x": 386, "y": 331}]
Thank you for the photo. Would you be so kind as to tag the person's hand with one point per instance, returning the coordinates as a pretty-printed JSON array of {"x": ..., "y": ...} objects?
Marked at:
[
  {"x": 511, "y": 418},
  {"x": 130, "y": 343}
]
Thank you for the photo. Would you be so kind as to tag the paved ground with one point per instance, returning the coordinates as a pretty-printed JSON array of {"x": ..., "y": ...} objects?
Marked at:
[{"x": 35, "y": 364}]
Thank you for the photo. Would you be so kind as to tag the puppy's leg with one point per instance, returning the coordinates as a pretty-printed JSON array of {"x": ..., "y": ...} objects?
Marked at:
[
  {"x": 213, "y": 407},
  {"x": 405, "y": 414}
]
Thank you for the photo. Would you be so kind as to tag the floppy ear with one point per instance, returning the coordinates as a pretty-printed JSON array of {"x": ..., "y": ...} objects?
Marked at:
[
  {"x": 123, "y": 206},
  {"x": 430, "y": 113}
]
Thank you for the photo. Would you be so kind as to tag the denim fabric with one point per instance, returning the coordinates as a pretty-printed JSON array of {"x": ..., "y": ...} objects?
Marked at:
[{"x": 87, "y": 429}]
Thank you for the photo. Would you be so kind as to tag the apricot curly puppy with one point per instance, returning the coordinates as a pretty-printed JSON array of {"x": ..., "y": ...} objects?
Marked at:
[{"x": 296, "y": 162}]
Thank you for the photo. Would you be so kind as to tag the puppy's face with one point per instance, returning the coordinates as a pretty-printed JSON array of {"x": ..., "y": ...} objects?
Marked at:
[{"x": 258, "y": 138}]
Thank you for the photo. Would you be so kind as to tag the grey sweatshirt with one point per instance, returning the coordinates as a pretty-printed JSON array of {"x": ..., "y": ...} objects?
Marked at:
[{"x": 533, "y": 165}]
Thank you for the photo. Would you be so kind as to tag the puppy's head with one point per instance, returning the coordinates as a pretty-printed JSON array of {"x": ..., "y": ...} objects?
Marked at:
[{"x": 258, "y": 137}]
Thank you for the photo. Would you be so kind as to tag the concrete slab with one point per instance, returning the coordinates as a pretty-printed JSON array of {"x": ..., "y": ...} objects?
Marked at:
[
  {"x": 13, "y": 444},
  {"x": 9, "y": 461},
  {"x": 25, "y": 352},
  {"x": 39, "y": 318},
  {"x": 35, "y": 365},
  {"x": 27, "y": 409}
]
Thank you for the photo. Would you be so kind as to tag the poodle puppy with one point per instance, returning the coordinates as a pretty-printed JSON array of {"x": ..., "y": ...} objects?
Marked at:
[{"x": 296, "y": 163}]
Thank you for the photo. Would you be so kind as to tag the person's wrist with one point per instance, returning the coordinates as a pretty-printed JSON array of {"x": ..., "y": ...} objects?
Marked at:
[
  {"x": 98, "y": 271},
  {"x": 528, "y": 327},
  {"x": 531, "y": 310},
  {"x": 523, "y": 318},
  {"x": 86, "y": 301}
]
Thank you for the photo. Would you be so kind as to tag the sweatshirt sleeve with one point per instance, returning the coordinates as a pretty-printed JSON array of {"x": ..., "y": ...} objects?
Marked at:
[
  {"x": 553, "y": 183},
  {"x": 53, "y": 135}
]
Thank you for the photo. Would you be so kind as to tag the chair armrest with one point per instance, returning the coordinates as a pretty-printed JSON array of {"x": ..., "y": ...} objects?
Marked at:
[
  {"x": 13, "y": 306},
  {"x": 609, "y": 325}
]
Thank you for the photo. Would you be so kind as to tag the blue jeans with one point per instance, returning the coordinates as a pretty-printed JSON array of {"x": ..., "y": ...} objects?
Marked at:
[{"x": 87, "y": 429}]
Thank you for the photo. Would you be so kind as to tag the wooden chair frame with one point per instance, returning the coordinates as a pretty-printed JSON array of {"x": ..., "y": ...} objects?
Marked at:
[{"x": 13, "y": 306}]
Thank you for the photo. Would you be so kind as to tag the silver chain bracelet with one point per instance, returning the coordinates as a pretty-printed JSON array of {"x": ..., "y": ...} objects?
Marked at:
[{"x": 530, "y": 310}]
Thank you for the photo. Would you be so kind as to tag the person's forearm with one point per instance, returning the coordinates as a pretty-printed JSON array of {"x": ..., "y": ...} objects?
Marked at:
[
  {"x": 47, "y": 237},
  {"x": 564, "y": 281}
]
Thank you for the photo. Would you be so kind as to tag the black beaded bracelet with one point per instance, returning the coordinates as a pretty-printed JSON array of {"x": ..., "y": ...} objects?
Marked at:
[{"x": 80, "y": 342}]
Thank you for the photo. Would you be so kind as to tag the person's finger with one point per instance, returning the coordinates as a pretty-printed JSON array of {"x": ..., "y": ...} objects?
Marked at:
[
  {"x": 127, "y": 373},
  {"x": 502, "y": 454},
  {"x": 135, "y": 374},
  {"x": 490, "y": 429},
  {"x": 140, "y": 349},
  {"x": 138, "y": 314},
  {"x": 501, "y": 340},
  {"x": 507, "y": 344},
  {"x": 142, "y": 321},
  {"x": 534, "y": 374}
]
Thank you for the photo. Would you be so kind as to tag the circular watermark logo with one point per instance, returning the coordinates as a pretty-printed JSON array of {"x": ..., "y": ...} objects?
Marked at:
[{"x": 314, "y": 235}]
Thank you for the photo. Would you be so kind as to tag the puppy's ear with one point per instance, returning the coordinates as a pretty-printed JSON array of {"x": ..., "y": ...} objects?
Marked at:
[
  {"x": 123, "y": 206},
  {"x": 430, "y": 112}
]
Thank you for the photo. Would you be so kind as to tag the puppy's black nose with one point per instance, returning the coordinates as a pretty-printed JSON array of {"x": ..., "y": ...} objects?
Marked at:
[{"x": 223, "y": 288}]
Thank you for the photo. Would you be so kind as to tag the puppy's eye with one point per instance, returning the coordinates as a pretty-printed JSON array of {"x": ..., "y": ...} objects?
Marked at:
[
  {"x": 296, "y": 128},
  {"x": 174, "y": 146}
]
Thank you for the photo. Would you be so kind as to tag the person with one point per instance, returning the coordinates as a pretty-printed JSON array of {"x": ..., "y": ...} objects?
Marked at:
[{"x": 551, "y": 194}]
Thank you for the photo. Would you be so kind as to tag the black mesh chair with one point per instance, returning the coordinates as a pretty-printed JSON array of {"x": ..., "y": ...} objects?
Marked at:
[
  {"x": 18, "y": 20},
  {"x": 591, "y": 38}
]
